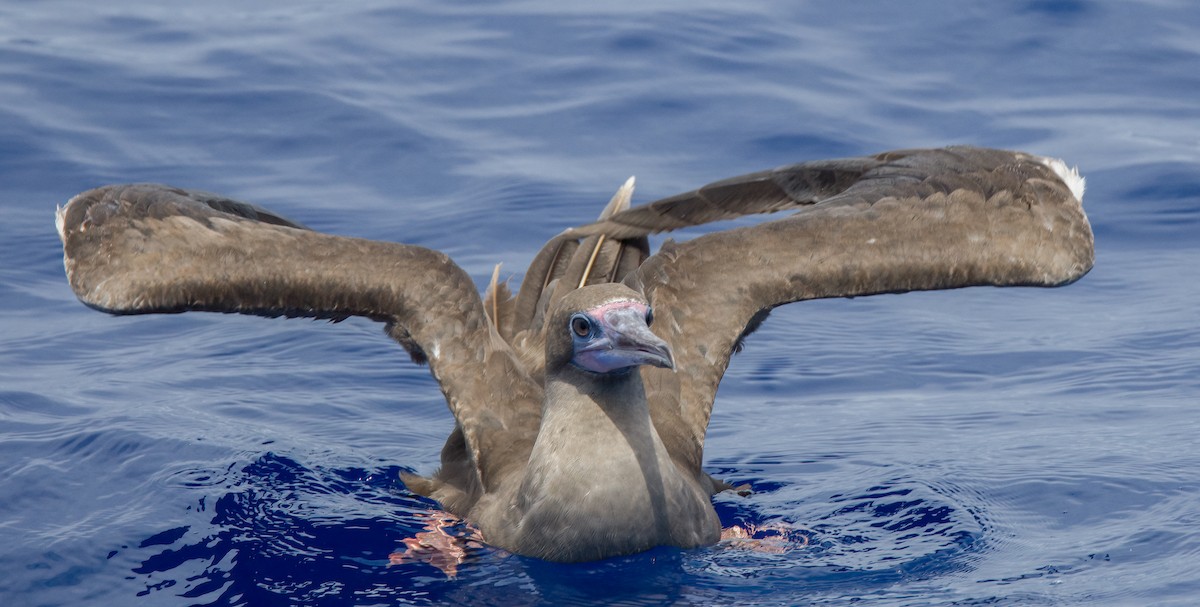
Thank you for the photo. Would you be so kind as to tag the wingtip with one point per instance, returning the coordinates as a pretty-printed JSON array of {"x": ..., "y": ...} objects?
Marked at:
[
  {"x": 620, "y": 201},
  {"x": 1069, "y": 175},
  {"x": 60, "y": 219}
]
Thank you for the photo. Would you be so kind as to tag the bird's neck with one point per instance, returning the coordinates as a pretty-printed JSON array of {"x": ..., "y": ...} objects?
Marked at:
[
  {"x": 598, "y": 427},
  {"x": 598, "y": 463},
  {"x": 590, "y": 403}
]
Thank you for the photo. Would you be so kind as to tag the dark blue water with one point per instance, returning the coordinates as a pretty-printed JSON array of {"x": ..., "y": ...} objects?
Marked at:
[{"x": 986, "y": 446}]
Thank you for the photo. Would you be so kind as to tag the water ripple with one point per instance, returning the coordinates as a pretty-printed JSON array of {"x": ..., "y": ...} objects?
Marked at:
[{"x": 983, "y": 446}]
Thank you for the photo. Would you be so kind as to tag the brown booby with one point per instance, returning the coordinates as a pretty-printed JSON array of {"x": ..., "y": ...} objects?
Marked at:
[{"x": 581, "y": 403}]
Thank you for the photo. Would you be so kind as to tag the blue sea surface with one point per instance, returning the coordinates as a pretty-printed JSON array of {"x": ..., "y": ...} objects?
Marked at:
[{"x": 980, "y": 446}]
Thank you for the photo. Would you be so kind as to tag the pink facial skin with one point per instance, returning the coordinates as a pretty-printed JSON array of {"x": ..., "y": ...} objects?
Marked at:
[{"x": 619, "y": 339}]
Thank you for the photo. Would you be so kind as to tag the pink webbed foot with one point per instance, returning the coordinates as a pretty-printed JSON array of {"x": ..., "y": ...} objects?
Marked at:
[
  {"x": 772, "y": 538},
  {"x": 444, "y": 544}
]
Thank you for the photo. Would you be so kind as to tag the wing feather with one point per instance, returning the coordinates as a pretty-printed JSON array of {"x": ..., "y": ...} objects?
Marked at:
[
  {"x": 912, "y": 220},
  {"x": 138, "y": 249}
]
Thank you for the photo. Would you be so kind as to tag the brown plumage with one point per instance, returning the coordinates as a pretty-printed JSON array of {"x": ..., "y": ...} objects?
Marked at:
[{"x": 562, "y": 448}]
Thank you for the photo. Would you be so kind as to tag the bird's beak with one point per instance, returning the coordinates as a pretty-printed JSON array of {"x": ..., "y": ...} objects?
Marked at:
[{"x": 628, "y": 342}]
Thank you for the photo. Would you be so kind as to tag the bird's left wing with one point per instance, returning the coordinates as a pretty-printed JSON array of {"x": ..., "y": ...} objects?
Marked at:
[{"x": 137, "y": 249}]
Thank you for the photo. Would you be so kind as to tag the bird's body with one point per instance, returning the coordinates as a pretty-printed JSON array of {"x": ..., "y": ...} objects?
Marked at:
[
  {"x": 579, "y": 419},
  {"x": 597, "y": 458}
]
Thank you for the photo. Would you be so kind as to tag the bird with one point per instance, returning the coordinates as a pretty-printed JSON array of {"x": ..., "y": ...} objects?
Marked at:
[{"x": 582, "y": 400}]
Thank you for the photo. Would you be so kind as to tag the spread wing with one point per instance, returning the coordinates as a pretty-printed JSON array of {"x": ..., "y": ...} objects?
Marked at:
[
  {"x": 137, "y": 249},
  {"x": 900, "y": 221}
]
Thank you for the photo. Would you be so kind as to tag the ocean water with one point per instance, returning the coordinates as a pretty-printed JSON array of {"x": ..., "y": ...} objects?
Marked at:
[{"x": 980, "y": 446}]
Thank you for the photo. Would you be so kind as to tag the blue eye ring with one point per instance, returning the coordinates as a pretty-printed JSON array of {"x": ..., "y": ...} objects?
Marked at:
[
  {"x": 581, "y": 325},
  {"x": 649, "y": 316}
]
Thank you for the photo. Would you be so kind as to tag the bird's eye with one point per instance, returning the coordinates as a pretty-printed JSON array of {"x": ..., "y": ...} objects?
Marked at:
[
  {"x": 581, "y": 325},
  {"x": 649, "y": 316}
]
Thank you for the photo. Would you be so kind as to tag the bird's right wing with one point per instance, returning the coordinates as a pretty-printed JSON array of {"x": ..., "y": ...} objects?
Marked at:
[{"x": 900, "y": 221}]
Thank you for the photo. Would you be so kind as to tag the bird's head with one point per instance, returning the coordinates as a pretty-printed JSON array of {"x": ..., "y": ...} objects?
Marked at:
[{"x": 604, "y": 329}]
